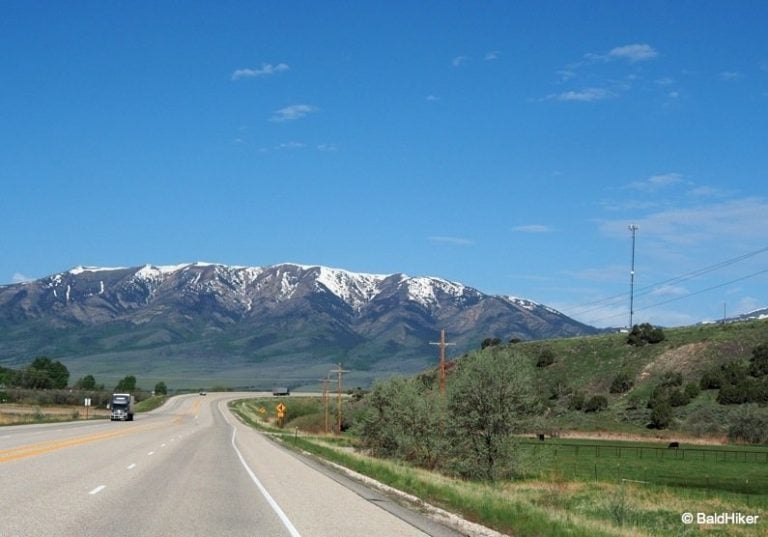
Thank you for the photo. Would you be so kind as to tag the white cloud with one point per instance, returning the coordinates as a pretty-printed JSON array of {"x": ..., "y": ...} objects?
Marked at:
[
  {"x": 327, "y": 148},
  {"x": 267, "y": 69},
  {"x": 459, "y": 241},
  {"x": 730, "y": 76},
  {"x": 585, "y": 96},
  {"x": 657, "y": 182},
  {"x": 432, "y": 98},
  {"x": 18, "y": 277},
  {"x": 737, "y": 221},
  {"x": 492, "y": 55},
  {"x": 458, "y": 61},
  {"x": 633, "y": 53},
  {"x": 291, "y": 145},
  {"x": 532, "y": 228},
  {"x": 291, "y": 113}
]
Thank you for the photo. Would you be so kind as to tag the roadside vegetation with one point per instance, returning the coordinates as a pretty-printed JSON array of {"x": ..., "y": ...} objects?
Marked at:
[
  {"x": 610, "y": 435},
  {"x": 41, "y": 393}
]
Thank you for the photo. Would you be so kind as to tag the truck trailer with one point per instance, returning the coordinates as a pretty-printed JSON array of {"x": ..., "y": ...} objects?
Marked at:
[{"x": 121, "y": 407}]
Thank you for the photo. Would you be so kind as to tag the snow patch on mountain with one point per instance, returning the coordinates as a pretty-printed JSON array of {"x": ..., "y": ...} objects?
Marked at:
[
  {"x": 356, "y": 289},
  {"x": 422, "y": 289}
]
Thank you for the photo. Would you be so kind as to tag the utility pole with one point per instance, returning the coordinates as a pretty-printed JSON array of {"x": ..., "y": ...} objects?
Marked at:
[
  {"x": 442, "y": 344},
  {"x": 325, "y": 382},
  {"x": 633, "y": 228},
  {"x": 340, "y": 372}
]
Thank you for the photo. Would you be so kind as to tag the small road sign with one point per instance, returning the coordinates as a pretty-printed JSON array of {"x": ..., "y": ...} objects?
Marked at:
[{"x": 280, "y": 408}]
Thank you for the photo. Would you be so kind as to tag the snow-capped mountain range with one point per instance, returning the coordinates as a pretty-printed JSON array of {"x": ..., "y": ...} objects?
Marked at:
[{"x": 234, "y": 316}]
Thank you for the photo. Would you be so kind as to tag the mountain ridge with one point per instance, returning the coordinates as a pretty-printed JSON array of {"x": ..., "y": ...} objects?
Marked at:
[{"x": 185, "y": 317}]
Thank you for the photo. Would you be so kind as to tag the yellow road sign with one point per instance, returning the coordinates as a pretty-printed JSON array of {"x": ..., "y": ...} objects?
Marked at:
[{"x": 280, "y": 408}]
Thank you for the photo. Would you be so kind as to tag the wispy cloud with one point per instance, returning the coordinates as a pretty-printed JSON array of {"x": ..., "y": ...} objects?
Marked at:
[
  {"x": 18, "y": 277},
  {"x": 657, "y": 182},
  {"x": 327, "y": 148},
  {"x": 291, "y": 113},
  {"x": 633, "y": 53},
  {"x": 458, "y": 61},
  {"x": 266, "y": 69},
  {"x": 492, "y": 55},
  {"x": 432, "y": 98},
  {"x": 730, "y": 76},
  {"x": 459, "y": 241},
  {"x": 734, "y": 221},
  {"x": 532, "y": 228},
  {"x": 587, "y": 95}
]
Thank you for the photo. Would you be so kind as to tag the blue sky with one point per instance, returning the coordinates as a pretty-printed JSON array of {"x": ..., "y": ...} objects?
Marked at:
[{"x": 506, "y": 145}]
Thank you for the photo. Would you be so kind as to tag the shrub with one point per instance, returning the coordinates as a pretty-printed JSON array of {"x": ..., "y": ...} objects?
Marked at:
[
  {"x": 596, "y": 403},
  {"x": 672, "y": 378},
  {"x": 661, "y": 415},
  {"x": 621, "y": 383},
  {"x": 678, "y": 398},
  {"x": 645, "y": 333},
  {"x": 758, "y": 363},
  {"x": 490, "y": 342},
  {"x": 546, "y": 357},
  {"x": 711, "y": 379},
  {"x": 577, "y": 401},
  {"x": 749, "y": 424},
  {"x": 692, "y": 390}
]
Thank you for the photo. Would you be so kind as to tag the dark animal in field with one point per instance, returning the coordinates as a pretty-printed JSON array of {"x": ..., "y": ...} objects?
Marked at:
[
  {"x": 541, "y": 437},
  {"x": 673, "y": 445}
]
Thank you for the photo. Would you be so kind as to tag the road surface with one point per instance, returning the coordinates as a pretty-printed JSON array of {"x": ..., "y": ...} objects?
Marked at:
[{"x": 189, "y": 468}]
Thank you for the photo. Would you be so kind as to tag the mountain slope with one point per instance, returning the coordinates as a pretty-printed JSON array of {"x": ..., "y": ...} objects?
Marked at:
[{"x": 200, "y": 319}]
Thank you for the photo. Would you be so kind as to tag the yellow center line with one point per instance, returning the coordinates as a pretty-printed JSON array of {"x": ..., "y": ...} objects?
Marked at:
[{"x": 31, "y": 450}]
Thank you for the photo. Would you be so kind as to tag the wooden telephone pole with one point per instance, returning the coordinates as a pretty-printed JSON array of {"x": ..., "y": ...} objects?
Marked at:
[
  {"x": 340, "y": 372},
  {"x": 325, "y": 382},
  {"x": 442, "y": 344}
]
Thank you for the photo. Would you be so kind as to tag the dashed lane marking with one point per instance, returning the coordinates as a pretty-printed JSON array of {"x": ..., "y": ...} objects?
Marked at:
[{"x": 97, "y": 490}]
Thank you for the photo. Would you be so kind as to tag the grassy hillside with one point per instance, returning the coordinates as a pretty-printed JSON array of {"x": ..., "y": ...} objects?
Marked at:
[{"x": 590, "y": 364}]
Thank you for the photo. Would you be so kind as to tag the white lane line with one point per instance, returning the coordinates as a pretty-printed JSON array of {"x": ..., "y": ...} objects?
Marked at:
[
  {"x": 272, "y": 503},
  {"x": 97, "y": 490},
  {"x": 131, "y": 467},
  {"x": 150, "y": 453}
]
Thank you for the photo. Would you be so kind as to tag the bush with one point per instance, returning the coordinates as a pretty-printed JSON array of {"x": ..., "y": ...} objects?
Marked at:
[
  {"x": 645, "y": 333},
  {"x": 672, "y": 378},
  {"x": 749, "y": 424},
  {"x": 596, "y": 403},
  {"x": 678, "y": 398},
  {"x": 546, "y": 357},
  {"x": 622, "y": 383},
  {"x": 577, "y": 401},
  {"x": 692, "y": 390},
  {"x": 490, "y": 342},
  {"x": 758, "y": 363},
  {"x": 661, "y": 415},
  {"x": 712, "y": 379}
]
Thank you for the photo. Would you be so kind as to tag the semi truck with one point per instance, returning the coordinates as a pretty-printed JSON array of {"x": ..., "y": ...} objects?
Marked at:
[{"x": 121, "y": 407}]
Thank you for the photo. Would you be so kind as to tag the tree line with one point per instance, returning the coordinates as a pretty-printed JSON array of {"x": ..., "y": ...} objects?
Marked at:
[{"x": 46, "y": 374}]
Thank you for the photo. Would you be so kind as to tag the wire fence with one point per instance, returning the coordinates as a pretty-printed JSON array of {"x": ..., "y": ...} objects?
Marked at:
[{"x": 652, "y": 452}]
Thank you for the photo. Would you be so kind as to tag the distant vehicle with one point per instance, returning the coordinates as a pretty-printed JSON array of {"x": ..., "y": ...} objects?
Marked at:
[
  {"x": 203, "y": 393},
  {"x": 121, "y": 406},
  {"x": 280, "y": 390}
]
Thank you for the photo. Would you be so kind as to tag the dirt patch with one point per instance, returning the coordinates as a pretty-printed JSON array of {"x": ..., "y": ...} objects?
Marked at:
[
  {"x": 661, "y": 437},
  {"x": 685, "y": 360}
]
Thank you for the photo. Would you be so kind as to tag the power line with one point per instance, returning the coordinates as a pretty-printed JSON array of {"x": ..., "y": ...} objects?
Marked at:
[
  {"x": 621, "y": 297},
  {"x": 700, "y": 291}
]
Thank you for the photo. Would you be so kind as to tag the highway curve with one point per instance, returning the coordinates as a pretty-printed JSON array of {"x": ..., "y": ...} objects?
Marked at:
[{"x": 189, "y": 468}]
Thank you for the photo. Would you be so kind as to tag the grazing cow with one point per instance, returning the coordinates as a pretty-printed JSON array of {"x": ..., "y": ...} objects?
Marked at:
[
  {"x": 541, "y": 437},
  {"x": 673, "y": 445}
]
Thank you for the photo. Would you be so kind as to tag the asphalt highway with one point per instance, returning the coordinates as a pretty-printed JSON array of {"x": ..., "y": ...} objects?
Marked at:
[{"x": 189, "y": 468}]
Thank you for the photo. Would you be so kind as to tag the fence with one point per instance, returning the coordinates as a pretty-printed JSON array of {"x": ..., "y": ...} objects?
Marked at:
[{"x": 661, "y": 452}]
